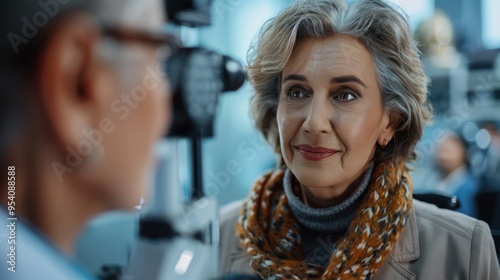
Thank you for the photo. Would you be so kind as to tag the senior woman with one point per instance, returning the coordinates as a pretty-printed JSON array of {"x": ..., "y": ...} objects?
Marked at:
[{"x": 341, "y": 95}]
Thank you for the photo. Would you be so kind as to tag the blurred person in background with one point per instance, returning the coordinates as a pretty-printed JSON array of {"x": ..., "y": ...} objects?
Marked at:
[
  {"x": 83, "y": 103},
  {"x": 341, "y": 96},
  {"x": 457, "y": 177},
  {"x": 491, "y": 176},
  {"x": 436, "y": 37}
]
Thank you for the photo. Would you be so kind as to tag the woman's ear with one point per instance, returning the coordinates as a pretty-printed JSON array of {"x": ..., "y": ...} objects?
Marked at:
[
  {"x": 66, "y": 77},
  {"x": 391, "y": 124}
]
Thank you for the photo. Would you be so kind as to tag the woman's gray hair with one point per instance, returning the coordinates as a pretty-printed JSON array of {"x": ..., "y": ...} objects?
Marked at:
[{"x": 385, "y": 33}]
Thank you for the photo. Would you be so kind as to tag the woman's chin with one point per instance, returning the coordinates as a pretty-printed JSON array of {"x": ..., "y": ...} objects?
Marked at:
[{"x": 315, "y": 177}]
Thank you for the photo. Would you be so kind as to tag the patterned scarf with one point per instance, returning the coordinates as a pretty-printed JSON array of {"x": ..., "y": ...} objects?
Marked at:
[{"x": 271, "y": 236}]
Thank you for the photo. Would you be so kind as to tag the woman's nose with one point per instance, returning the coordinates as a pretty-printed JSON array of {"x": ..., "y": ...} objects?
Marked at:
[{"x": 318, "y": 116}]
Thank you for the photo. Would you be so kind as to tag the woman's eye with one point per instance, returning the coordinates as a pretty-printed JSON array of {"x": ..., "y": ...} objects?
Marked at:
[
  {"x": 296, "y": 93},
  {"x": 346, "y": 95}
]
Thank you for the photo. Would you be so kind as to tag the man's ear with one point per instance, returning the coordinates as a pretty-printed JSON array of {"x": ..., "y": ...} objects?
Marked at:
[
  {"x": 66, "y": 77},
  {"x": 392, "y": 121}
]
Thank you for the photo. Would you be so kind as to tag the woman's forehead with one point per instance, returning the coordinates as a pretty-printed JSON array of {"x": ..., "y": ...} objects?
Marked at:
[{"x": 338, "y": 54}]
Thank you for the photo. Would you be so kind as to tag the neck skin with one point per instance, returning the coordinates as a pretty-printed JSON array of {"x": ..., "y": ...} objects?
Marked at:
[
  {"x": 327, "y": 197},
  {"x": 59, "y": 210}
]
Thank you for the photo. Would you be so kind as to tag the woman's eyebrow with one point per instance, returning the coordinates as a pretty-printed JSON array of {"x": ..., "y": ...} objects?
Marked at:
[
  {"x": 295, "y": 77},
  {"x": 346, "y": 79},
  {"x": 339, "y": 79}
]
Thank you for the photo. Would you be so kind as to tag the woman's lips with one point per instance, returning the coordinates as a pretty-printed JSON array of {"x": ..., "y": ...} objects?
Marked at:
[{"x": 315, "y": 153}]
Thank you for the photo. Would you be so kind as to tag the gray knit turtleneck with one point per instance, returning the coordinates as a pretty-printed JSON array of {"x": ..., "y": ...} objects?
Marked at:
[{"x": 322, "y": 227}]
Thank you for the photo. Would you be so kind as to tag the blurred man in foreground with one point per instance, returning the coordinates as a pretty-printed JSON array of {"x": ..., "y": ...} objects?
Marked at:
[{"x": 83, "y": 102}]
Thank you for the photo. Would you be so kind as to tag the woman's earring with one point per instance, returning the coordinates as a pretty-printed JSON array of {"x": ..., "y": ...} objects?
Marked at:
[{"x": 385, "y": 143}]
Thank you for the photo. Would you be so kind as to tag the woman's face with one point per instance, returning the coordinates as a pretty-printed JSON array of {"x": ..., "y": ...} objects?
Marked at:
[{"x": 330, "y": 115}]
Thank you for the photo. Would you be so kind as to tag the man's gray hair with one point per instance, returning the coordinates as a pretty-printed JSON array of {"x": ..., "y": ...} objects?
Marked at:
[{"x": 384, "y": 31}]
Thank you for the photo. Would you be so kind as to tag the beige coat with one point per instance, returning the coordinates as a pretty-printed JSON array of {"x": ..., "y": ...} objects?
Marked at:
[{"x": 435, "y": 244}]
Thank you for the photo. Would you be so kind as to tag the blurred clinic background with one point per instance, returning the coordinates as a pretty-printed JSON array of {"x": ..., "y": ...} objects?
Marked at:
[{"x": 458, "y": 155}]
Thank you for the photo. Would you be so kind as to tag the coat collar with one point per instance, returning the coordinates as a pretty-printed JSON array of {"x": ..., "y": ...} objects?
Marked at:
[
  {"x": 406, "y": 250},
  {"x": 407, "y": 247}
]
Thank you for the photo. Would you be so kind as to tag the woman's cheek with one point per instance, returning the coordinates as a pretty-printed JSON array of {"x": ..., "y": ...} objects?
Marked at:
[{"x": 285, "y": 124}]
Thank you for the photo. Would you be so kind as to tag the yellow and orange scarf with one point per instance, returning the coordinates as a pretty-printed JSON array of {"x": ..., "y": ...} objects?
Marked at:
[{"x": 271, "y": 236}]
